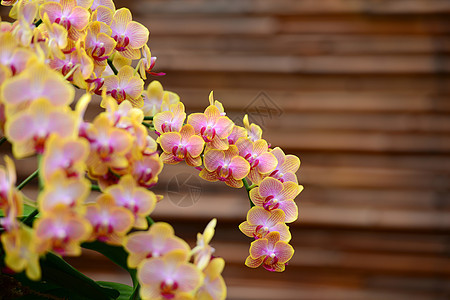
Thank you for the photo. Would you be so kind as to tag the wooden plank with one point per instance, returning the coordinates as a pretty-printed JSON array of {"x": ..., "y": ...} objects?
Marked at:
[
  {"x": 289, "y": 7},
  {"x": 404, "y": 102},
  {"x": 362, "y": 64},
  {"x": 301, "y": 44},
  {"x": 435, "y": 84},
  {"x": 360, "y": 24}
]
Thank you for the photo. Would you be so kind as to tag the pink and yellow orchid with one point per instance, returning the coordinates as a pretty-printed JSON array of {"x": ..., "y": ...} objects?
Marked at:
[
  {"x": 125, "y": 85},
  {"x": 226, "y": 166},
  {"x": 60, "y": 190},
  {"x": 212, "y": 127},
  {"x": 256, "y": 153},
  {"x": 29, "y": 129},
  {"x": 184, "y": 145},
  {"x": 110, "y": 222},
  {"x": 129, "y": 35},
  {"x": 62, "y": 231},
  {"x": 261, "y": 222},
  {"x": 11, "y": 56},
  {"x": 254, "y": 132},
  {"x": 64, "y": 154},
  {"x": 171, "y": 120},
  {"x": 68, "y": 14},
  {"x": 157, "y": 241},
  {"x": 156, "y": 99},
  {"x": 37, "y": 81},
  {"x": 138, "y": 200},
  {"x": 272, "y": 252},
  {"x": 203, "y": 251},
  {"x": 213, "y": 286},
  {"x": 286, "y": 167},
  {"x": 20, "y": 253},
  {"x": 168, "y": 277},
  {"x": 99, "y": 45},
  {"x": 272, "y": 194}
]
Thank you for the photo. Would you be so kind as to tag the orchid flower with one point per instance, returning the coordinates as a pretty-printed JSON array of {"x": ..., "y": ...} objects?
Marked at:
[
  {"x": 68, "y": 14},
  {"x": 62, "y": 231},
  {"x": 168, "y": 277},
  {"x": 157, "y": 241},
  {"x": 125, "y": 85},
  {"x": 236, "y": 134},
  {"x": 254, "y": 132},
  {"x": 11, "y": 56},
  {"x": 146, "y": 170},
  {"x": 19, "y": 252},
  {"x": 37, "y": 81},
  {"x": 272, "y": 252},
  {"x": 261, "y": 222},
  {"x": 99, "y": 45},
  {"x": 203, "y": 251},
  {"x": 212, "y": 127},
  {"x": 272, "y": 194},
  {"x": 104, "y": 15},
  {"x": 7, "y": 181},
  {"x": 225, "y": 165},
  {"x": 184, "y": 145},
  {"x": 129, "y": 35},
  {"x": 23, "y": 29},
  {"x": 157, "y": 100},
  {"x": 171, "y": 120},
  {"x": 286, "y": 167},
  {"x": 64, "y": 154},
  {"x": 108, "y": 146},
  {"x": 54, "y": 37},
  {"x": 138, "y": 200},
  {"x": 28, "y": 130},
  {"x": 110, "y": 222},
  {"x": 147, "y": 63},
  {"x": 256, "y": 153},
  {"x": 213, "y": 286},
  {"x": 60, "y": 190},
  {"x": 105, "y": 3}
]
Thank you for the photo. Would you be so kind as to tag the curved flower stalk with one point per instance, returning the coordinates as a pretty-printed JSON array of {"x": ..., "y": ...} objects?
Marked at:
[{"x": 56, "y": 46}]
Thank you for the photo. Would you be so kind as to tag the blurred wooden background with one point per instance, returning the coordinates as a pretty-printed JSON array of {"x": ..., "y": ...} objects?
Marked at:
[{"x": 359, "y": 90}]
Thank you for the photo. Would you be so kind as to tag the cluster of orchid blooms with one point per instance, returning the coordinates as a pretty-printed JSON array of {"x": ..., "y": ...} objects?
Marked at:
[{"x": 55, "y": 46}]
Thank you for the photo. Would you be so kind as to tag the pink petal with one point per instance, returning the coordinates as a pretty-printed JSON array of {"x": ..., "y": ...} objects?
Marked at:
[
  {"x": 213, "y": 159},
  {"x": 234, "y": 183},
  {"x": 195, "y": 145},
  {"x": 258, "y": 216},
  {"x": 247, "y": 229},
  {"x": 240, "y": 167},
  {"x": 291, "y": 164},
  {"x": 212, "y": 113},
  {"x": 111, "y": 82},
  {"x": 283, "y": 251},
  {"x": 120, "y": 21},
  {"x": 272, "y": 238},
  {"x": 187, "y": 277},
  {"x": 18, "y": 129},
  {"x": 52, "y": 9},
  {"x": 122, "y": 219},
  {"x": 138, "y": 34},
  {"x": 193, "y": 161},
  {"x": 186, "y": 132},
  {"x": 290, "y": 210},
  {"x": 209, "y": 176},
  {"x": 253, "y": 263},
  {"x": 223, "y": 127},
  {"x": 290, "y": 191},
  {"x": 134, "y": 87},
  {"x": 256, "y": 198},
  {"x": 169, "y": 158},
  {"x": 218, "y": 143},
  {"x": 279, "y": 155},
  {"x": 267, "y": 163},
  {"x": 283, "y": 231},
  {"x": 258, "y": 248},
  {"x": 276, "y": 216},
  {"x": 197, "y": 120},
  {"x": 79, "y": 18},
  {"x": 169, "y": 140},
  {"x": 270, "y": 187},
  {"x": 152, "y": 272},
  {"x": 245, "y": 146}
]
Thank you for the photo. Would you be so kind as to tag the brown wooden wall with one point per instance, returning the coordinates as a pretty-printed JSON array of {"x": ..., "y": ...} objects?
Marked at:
[{"x": 359, "y": 90}]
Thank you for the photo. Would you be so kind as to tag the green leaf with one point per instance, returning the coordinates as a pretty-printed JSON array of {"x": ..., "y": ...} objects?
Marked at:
[
  {"x": 125, "y": 290},
  {"x": 56, "y": 270},
  {"x": 116, "y": 254}
]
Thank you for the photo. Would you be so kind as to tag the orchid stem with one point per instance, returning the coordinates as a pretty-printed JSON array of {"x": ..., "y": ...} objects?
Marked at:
[
  {"x": 95, "y": 187},
  {"x": 248, "y": 188},
  {"x": 148, "y": 118},
  {"x": 2, "y": 140},
  {"x": 150, "y": 221},
  {"x": 28, "y": 179},
  {"x": 110, "y": 63}
]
